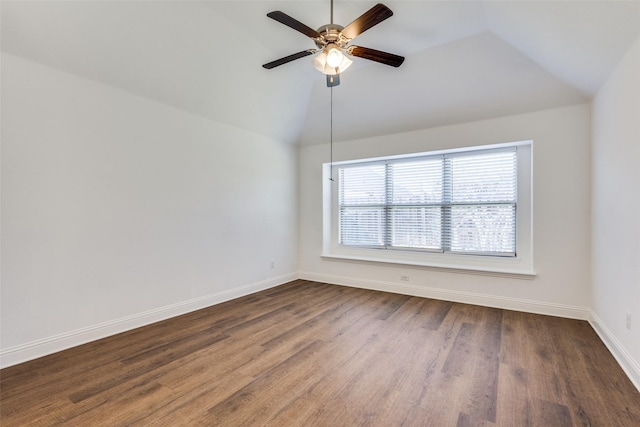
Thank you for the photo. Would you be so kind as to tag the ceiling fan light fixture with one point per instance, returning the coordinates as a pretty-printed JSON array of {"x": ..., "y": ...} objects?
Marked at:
[
  {"x": 334, "y": 57},
  {"x": 331, "y": 60}
]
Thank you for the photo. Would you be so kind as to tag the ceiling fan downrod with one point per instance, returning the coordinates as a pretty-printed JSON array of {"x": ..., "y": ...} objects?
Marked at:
[{"x": 331, "y": 21}]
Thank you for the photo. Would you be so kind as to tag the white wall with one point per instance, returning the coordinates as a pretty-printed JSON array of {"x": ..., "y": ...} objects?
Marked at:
[
  {"x": 561, "y": 169},
  {"x": 616, "y": 211},
  {"x": 119, "y": 211}
]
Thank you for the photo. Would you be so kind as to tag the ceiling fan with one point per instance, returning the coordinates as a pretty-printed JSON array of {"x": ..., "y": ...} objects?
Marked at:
[{"x": 332, "y": 41}]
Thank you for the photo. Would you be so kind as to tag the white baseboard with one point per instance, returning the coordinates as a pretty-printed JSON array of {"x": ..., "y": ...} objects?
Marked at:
[
  {"x": 42, "y": 347},
  {"x": 529, "y": 306},
  {"x": 630, "y": 366}
]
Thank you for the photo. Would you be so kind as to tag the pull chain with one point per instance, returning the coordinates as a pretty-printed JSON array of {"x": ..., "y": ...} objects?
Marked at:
[
  {"x": 331, "y": 134},
  {"x": 331, "y": 119}
]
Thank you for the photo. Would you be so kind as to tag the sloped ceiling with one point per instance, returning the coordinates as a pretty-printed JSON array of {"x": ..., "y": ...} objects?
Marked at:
[{"x": 464, "y": 60}]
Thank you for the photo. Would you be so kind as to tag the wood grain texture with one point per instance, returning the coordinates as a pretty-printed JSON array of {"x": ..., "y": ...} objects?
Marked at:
[{"x": 312, "y": 354}]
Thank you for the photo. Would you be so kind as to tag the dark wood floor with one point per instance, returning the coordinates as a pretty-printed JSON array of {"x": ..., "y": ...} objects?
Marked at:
[{"x": 311, "y": 354}]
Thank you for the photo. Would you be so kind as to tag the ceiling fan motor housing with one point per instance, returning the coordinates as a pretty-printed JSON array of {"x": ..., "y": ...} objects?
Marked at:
[{"x": 331, "y": 33}]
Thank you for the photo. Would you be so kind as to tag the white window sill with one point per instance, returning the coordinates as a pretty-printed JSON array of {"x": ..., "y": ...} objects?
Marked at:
[{"x": 516, "y": 273}]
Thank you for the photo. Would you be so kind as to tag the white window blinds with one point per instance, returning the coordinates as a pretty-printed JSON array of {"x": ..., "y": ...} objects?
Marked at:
[
  {"x": 362, "y": 201},
  {"x": 460, "y": 203}
]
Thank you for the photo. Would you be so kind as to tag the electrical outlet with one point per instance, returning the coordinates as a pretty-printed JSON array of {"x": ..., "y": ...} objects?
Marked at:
[
  {"x": 628, "y": 320},
  {"x": 404, "y": 278},
  {"x": 273, "y": 265}
]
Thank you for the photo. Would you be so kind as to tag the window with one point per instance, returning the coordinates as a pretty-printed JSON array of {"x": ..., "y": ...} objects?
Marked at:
[
  {"x": 466, "y": 207},
  {"x": 462, "y": 203}
]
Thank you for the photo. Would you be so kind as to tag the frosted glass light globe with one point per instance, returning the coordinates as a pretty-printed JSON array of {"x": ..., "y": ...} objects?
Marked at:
[{"x": 334, "y": 57}]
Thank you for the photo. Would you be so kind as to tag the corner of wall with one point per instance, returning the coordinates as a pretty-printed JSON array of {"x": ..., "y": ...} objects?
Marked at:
[{"x": 630, "y": 366}]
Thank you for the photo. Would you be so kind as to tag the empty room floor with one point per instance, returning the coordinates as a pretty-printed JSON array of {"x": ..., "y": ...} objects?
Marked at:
[{"x": 313, "y": 354}]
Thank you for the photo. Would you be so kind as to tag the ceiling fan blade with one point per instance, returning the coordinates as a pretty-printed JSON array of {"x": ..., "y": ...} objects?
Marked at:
[
  {"x": 376, "y": 55},
  {"x": 285, "y": 19},
  {"x": 373, "y": 16},
  {"x": 289, "y": 58}
]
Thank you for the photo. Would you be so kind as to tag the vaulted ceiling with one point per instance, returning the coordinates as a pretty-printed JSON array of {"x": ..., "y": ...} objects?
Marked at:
[{"x": 464, "y": 60}]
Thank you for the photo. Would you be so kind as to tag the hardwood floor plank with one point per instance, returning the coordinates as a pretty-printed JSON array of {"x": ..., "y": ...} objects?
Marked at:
[
  {"x": 308, "y": 353},
  {"x": 256, "y": 323},
  {"x": 466, "y": 420},
  {"x": 165, "y": 353},
  {"x": 552, "y": 413},
  {"x": 459, "y": 360},
  {"x": 483, "y": 395},
  {"x": 390, "y": 304},
  {"x": 435, "y": 312},
  {"x": 514, "y": 397},
  {"x": 527, "y": 344}
]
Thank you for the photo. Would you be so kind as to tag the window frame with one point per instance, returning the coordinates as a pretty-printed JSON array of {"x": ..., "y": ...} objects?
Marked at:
[{"x": 521, "y": 264}]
